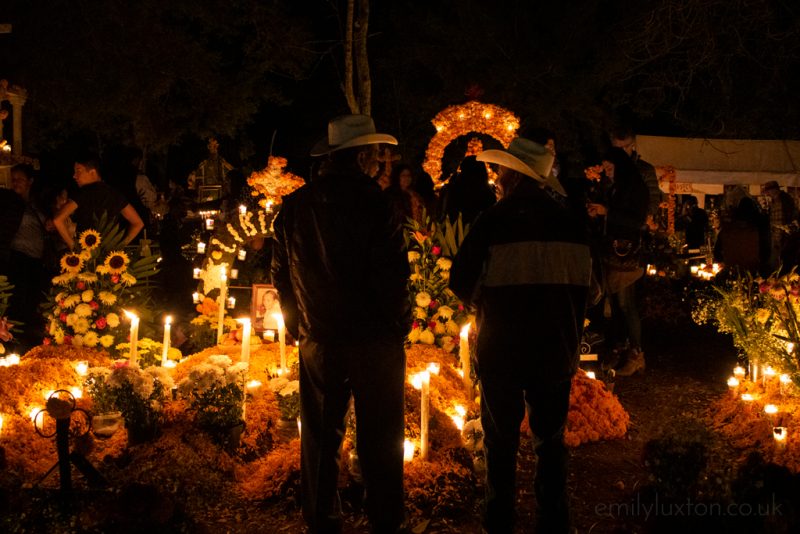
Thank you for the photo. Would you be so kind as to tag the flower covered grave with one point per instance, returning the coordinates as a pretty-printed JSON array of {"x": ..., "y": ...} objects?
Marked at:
[{"x": 264, "y": 464}]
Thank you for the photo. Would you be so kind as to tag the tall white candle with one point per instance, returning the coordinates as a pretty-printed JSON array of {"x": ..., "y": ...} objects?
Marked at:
[
  {"x": 134, "y": 342},
  {"x": 463, "y": 351},
  {"x": 167, "y": 340},
  {"x": 245, "y": 322},
  {"x": 425, "y": 414},
  {"x": 281, "y": 338},
  {"x": 223, "y": 292}
]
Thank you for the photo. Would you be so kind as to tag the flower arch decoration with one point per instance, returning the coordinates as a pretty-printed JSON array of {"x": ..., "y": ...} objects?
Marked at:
[
  {"x": 667, "y": 174},
  {"x": 473, "y": 116}
]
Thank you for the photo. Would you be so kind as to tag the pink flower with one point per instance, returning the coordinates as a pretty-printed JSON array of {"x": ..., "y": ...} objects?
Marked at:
[
  {"x": 115, "y": 278},
  {"x": 432, "y": 325},
  {"x": 101, "y": 323},
  {"x": 460, "y": 307},
  {"x": 436, "y": 250},
  {"x": 62, "y": 317}
]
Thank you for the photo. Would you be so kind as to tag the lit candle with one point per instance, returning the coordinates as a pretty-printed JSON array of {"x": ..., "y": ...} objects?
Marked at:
[
  {"x": 234, "y": 274},
  {"x": 780, "y": 433},
  {"x": 76, "y": 392},
  {"x": 463, "y": 351},
  {"x": 425, "y": 414},
  {"x": 223, "y": 291},
  {"x": 694, "y": 269},
  {"x": 3, "y": 362},
  {"x": 770, "y": 409},
  {"x": 408, "y": 450},
  {"x": 242, "y": 209},
  {"x": 269, "y": 335},
  {"x": 231, "y": 303},
  {"x": 209, "y": 224},
  {"x": 769, "y": 373},
  {"x": 434, "y": 368},
  {"x": 790, "y": 347},
  {"x": 201, "y": 247},
  {"x": 458, "y": 419},
  {"x": 170, "y": 364},
  {"x": 245, "y": 322},
  {"x": 754, "y": 374},
  {"x": 12, "y": 359},
  {"x": 269, "y": 206},
  {"x": 591, "y": 375},
  {"x": 281, "y": 338},
  {"x": 242, "y": 254},
  {"x": 196, "y": 273},
  {"x": 299, "y": 428},
  {"x": 733, "y": 383},
  {"x": 134, "y": 341},
  {"x": 82, "y": 368},
  {"x": 196, "y": 297},
  {"x": 167, "y": 340},
  {"x": 739, "y": 372},
  {"x": 747, "y": 397}
]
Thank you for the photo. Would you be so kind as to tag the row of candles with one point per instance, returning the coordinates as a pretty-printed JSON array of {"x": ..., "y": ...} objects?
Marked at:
[{"x": 779, "y": 433}]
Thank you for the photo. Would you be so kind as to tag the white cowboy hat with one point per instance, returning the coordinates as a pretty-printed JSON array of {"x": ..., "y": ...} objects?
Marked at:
[
  {"x": 347, "y": 131},
  {"x": 528, "y": 158}
]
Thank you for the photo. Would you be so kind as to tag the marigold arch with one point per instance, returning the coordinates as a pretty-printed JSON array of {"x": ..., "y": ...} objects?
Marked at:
[{"x": 473, "y": 116}]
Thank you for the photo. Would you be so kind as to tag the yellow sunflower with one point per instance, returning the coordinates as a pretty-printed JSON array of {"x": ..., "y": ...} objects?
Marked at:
[
  {"x": 116, "y": 262},
  {"x": 89, "y": 239},
  {"x": 71, "y": 262}
]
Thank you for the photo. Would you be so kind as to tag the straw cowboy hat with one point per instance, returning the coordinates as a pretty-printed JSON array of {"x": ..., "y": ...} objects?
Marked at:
[
  {"x": 528, "y": 158},
  {"x": 347, "y": 131}
]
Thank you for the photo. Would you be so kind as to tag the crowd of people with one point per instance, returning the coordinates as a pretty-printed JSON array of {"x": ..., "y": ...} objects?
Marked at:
[{"x": 546, "y": 248}]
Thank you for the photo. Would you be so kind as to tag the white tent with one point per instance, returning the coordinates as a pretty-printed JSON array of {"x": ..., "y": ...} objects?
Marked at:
[{"x": 705, "y": 166}]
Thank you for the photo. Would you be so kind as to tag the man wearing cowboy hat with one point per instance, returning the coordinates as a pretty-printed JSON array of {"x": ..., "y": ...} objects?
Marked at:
[
  {"x": 525, "y": 265},
  {"x": 340, "y": 267}
]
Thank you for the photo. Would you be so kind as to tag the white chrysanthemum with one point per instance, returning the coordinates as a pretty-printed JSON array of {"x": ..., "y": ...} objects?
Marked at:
[
  {"x": 81, "y": 325},
  {"x": 87, "y": 277},
  {"x": 413, "y": 336},
  {"x": 427, "y": 337},
  {"x": 445, "y": 312},
  {"x": 277, "y": 383},
  {"x": 107, "y": 341},
  {"x": 420, "y": 313},
  {"x": 91, "y": 339},
  {"x": 87, "y": 295},
  {"x": 107, "y": 297},
  {"x": 413, "y": 256},
  {"x": 71, "y": 301},
  {"x": 290, "y": 389},
  {"x": 236, "y": 373},
  {"x": 423, "y": 299},
  {"x": 220, "y": 360},
  {"x": 444, "y": 263},
  {"x": 161, "y": 374},
  {"x": 112, "y": 319},
  {"x": 452, "y": 328},
  {"x": 83, "y": 310}
]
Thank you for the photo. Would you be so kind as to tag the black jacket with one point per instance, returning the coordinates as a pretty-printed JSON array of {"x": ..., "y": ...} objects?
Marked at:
[
  {"x": 526, "y": 265},
  {"x": 339, "y": 263}
]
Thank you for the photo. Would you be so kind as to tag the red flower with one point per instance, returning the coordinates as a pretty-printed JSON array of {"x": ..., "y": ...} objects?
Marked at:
[
  {"x": 63, "y": 317},
  {"x": 432, "y": 325},
  {"x": 61, "y": 303},
  {"x": 94, "y": 304},
  {"x": 433, "y": 305},
  {"x": 764, "y": 287},
  {"x": 67, "y": 340},
  {"x": 415, "y": 324},
  {"x": 81, "y": 286},
  {"x": 436, "y": 250},
  {"x": 115, "y": 278},
  {"x": 125, "y": 363},
  {"x": 46, "y": 341},
  {"x": 460, "y": 307},
  {"x": 101, "y": 323}
]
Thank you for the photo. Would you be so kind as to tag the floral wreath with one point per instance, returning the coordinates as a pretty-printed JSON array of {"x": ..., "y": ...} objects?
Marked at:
[{"x": 473, "y": 116}]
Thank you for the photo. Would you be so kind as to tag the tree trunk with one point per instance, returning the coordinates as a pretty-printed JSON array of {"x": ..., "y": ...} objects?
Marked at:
[
  {"x": 362, "y": 60},
  {"x": 349, "y": 93}
]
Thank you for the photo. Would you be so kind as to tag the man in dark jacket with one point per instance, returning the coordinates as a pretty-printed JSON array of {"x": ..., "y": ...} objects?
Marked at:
[
  {"x": 526, "y": 265},
  {"x": 341, "y": 269}
]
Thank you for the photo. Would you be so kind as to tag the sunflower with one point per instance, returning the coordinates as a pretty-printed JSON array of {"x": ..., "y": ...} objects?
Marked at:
[
  {"x": 89, "y": 239},
  {"x": 116, "y": 262},
  {"x": 71, "y": 263}
]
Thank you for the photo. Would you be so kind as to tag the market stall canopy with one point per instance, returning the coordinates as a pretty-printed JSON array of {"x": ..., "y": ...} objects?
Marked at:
[{"x": 709, "y": 164}]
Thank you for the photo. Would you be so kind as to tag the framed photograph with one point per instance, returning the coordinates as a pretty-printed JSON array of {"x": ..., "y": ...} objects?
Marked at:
[
  {"x": 206, "y": 193},
  {"x": 264, "y": 305}
]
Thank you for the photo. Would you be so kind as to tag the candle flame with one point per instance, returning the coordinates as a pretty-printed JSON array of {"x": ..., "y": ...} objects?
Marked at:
[
  {"x": 408, "y": 450},
  {"x": 460, "y": 410},
  {"x": 243, "y": 320},
  {"x": 770, "y": 409},
  {"x": 82, "y": 368},
  {"x": 168, "y": 319},
  {"x": 465, "y": 330},
  {"x": 785, "y": 379},
  {"x": 434, "y": 368},
  {"x": 130, "y": 315},
  {"x": 591, "y": 375},
  {"x": 34, "y": 412},
  {"x": 279, "y": 317},
  {"x": 458, "y": 421},
  {"x": 12, "y": 359},
  {"x": 733, "y": 382},
  {"x": 747, "y": 397},
  {"x": 253, "y": 384},
  {"x": 76, "y": 392},
  {"x": 769, "y": 371}
]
